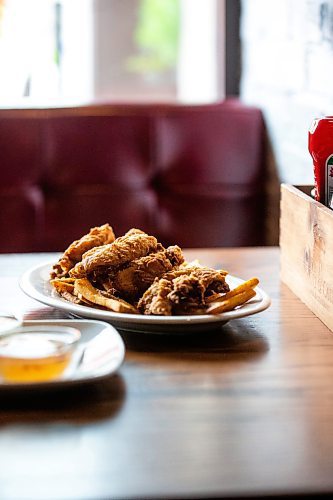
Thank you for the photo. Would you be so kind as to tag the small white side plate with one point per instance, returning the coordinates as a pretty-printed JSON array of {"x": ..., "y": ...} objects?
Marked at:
[{"x": 99, "y": 354}]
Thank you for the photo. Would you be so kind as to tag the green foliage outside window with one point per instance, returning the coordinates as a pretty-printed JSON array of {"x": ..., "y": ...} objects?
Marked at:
[{"x": 156, "y": 36}]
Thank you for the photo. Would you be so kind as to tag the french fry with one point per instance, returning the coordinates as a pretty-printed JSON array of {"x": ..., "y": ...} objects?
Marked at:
[
  {"x": 63, "y": 285},
  {"x": 232, "y": 302},
  {"x": 83, "y": 288},
  {"x": 247, "y": 285}
]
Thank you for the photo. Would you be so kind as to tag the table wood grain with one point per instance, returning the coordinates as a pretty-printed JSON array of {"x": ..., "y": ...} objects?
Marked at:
[{"x": 243, "y": 411}]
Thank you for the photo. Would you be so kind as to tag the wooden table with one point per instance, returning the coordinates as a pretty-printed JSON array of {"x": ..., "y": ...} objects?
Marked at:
[{"x": 244, "y": 411}]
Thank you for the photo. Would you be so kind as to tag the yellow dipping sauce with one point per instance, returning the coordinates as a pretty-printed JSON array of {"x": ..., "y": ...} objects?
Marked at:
[{"x": 36, "y": 354}]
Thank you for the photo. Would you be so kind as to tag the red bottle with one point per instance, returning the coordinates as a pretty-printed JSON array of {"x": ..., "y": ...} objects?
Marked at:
[{"x": 321, "y": 150}]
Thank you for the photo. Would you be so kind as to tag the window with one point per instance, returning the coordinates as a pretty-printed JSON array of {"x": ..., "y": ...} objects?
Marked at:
[{"x": 55, "y": 51}]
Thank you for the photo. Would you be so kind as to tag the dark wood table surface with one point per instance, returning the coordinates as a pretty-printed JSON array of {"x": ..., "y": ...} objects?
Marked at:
[{"x": 243, "y": 411}]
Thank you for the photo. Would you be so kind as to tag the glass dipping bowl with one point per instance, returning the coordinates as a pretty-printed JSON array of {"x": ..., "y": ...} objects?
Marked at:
[{"x": 36, "y": 353}]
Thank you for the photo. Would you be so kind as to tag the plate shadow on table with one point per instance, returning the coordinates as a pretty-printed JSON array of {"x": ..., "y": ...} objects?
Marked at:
[
  {"x": 80, "y": 403},
  {"x": 240, "y": 338}
]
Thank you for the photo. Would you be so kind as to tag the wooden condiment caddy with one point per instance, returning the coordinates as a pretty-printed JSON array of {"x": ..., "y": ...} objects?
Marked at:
[{"x": 306, "y": 242}]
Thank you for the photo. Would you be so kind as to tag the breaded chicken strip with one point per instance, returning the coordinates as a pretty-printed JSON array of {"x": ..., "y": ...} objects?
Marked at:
[
  {"x": 141, "y": 273},
  {"x": 97, "y": 236},
  {"x": 133, "y": 245},
  {"x": 182, "y": 291},
  {"x": 155, "y": 300}
]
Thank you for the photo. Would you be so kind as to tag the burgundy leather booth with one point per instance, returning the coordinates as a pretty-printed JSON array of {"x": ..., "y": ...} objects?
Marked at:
[{"x": 191, "y": 175}]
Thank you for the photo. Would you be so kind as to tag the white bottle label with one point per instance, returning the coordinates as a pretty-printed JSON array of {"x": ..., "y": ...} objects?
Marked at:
[{"x": 329, "y": 182}]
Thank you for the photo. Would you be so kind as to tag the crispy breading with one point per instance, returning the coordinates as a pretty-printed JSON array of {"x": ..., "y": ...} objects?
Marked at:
[
  {"x": 133, "y": 280},
  {"x": 97, "y": 236},
  {"x": 182, "y": 291},
  {"x": 201, "y": 281},
  {"x": 155, "y": 299},
  {"x": 131, "y": 246}
]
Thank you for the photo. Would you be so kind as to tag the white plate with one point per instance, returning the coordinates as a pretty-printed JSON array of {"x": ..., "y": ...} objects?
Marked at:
[
  {"x": 35, "y": 283},
  {"x": 99, "y": 353}
]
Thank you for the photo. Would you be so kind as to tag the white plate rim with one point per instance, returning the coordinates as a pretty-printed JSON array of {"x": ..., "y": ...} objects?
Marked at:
[{"x": 29, "y": 286}]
